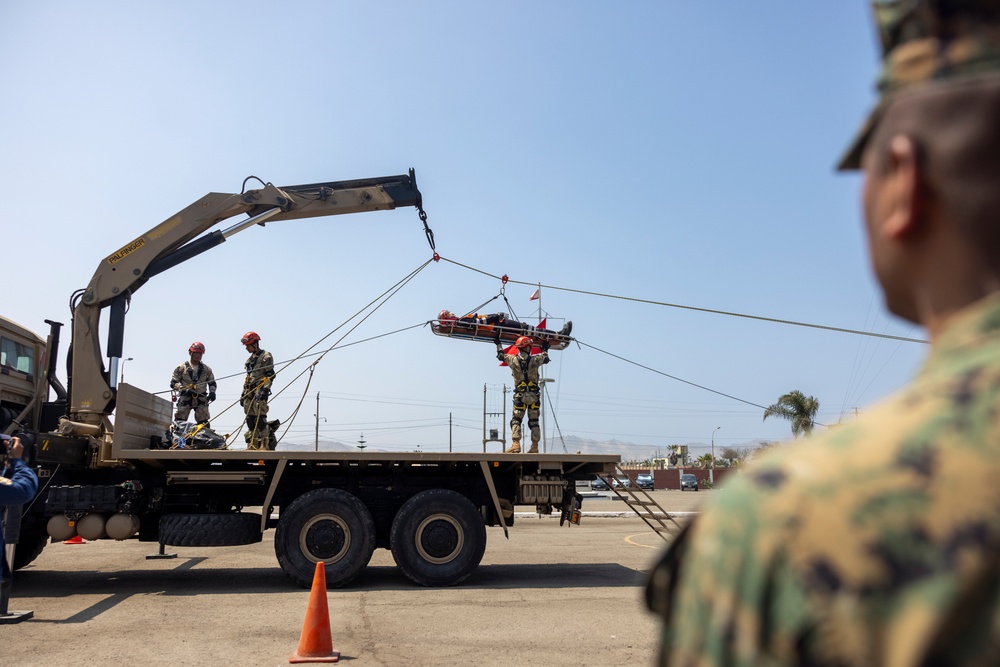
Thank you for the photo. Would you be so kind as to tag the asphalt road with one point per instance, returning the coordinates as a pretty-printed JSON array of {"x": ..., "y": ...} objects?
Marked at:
[{"x": 549, "y": 595}]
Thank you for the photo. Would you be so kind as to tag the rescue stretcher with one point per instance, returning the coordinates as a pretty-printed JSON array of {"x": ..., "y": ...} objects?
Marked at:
[{"x": 484, "y": 333}]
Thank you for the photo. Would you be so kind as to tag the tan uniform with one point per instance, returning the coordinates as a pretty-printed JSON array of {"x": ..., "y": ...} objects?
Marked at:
[
  {"x": 193, "y": 384},
  {"x": 525, "y": 369},
  {"x": 256, "y": 389}
]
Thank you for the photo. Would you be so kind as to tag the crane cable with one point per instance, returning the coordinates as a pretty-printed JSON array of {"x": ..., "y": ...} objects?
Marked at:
[
  {"x": 378, "y": 302},
  {"x": 695, "y": 308}
]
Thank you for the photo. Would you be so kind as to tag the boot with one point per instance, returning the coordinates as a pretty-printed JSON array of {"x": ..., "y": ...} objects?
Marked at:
[
  {"x": 515, "y": 448},
  {"x": 534, "y": 448},
  {"x": 567, "y": 328}
]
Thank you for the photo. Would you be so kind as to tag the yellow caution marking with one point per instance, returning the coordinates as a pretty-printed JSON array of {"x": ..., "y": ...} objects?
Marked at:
[{"x": 637, "y": 544}]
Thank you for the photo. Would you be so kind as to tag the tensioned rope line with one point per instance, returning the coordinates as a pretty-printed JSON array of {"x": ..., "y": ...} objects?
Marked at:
[
  {"x": 381, "y": 297},
  {"x": 674, "y": 377},
  {"x": 695, "y": 308},
  {"x": 336, "y": 347},
  {"x": 380, "y": 300},
  {"x": 552, "y": 412}
]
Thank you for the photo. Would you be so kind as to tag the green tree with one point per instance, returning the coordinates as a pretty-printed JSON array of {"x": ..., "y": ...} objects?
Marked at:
[{"x": 797, "y": 408}]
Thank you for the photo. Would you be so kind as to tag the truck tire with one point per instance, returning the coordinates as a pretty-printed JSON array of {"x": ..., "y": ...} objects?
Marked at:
[
  {"x": 327, "y": 525},
  {"x": 210, "y": 530},
  {"x": 29, "y": 547},
  {"x": 438, "y": 538}
]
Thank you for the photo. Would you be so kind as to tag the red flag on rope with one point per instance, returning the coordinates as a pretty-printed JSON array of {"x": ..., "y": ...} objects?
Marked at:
[
  {"x": 536, "y": 295},
  {"x": 541, "y": 325}
]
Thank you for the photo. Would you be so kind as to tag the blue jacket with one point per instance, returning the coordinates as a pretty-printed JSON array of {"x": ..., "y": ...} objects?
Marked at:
[{"x": 17, "y": 486}]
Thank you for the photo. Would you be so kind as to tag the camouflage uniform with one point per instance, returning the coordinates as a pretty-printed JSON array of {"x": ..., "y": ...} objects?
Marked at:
[
  {"x": 525, "y": 369},
  {"x": 193, "y": 385},
  {"x": 877, "y": 542},
  {"x": 256, "y": 389},
  {"x": 873, "y": 544}
]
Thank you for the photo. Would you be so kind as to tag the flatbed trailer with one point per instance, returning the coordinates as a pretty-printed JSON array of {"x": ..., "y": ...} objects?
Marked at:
[{"x": 431, "y": 509}]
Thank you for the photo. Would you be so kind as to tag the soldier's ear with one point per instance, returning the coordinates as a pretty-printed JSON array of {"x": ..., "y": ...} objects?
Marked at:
[{"x": 905, "y": 190}]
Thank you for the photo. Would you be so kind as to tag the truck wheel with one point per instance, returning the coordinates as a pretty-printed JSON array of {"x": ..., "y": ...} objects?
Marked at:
[
  {"x": 438, "y": 538},
  {"x": 29, "y": 547},
  {"x": 327, "y": 525},
  {"x": 210, "y": 530}
]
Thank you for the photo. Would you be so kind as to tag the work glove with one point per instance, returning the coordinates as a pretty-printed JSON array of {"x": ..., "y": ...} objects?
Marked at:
[
  {"x": 211, "y": 397},
  {"x": 545, "y": 346}
]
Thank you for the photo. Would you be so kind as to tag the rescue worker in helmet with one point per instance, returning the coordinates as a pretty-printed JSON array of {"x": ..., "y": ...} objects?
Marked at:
[
  {"x": 501, "y": 320},
  {"x": 194, "y": 383},
  {"x": 524, "y": 366},
  {"x": 256, "y": 389}
]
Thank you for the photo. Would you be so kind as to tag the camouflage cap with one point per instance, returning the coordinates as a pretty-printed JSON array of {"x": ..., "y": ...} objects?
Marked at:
[{"x": 927, "y": 43}]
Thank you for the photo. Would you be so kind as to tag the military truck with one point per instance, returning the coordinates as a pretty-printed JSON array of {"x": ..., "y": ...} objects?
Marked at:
[{"x": 106, "y": 473}]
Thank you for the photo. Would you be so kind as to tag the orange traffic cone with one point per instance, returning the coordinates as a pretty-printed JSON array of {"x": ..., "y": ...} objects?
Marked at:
[
  {"x": 76, "y": 539},
  {"x": 316, "y": 644}
]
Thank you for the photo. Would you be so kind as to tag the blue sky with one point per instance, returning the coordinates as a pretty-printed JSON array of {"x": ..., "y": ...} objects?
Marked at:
[{"x": 671, "y": 152}]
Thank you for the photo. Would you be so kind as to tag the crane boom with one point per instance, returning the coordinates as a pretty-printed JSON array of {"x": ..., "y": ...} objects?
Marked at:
[{"x": 92, "y": 389}]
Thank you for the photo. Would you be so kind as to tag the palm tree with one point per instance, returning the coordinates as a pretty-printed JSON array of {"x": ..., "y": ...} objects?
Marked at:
[{"x": 797, "y": 408}]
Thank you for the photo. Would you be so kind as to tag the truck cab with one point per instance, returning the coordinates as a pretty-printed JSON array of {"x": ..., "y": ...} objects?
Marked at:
[{"x": 21, "y": 357}]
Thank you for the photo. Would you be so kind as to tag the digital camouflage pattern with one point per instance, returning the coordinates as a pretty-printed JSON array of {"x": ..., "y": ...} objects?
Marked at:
[
  {"x": 926, "y": 43},
  {"x": 260, "y": 373},
  {"x": 525, "y": 370},
  {"x": 193, "y": 384},
  {"x": 876, "y": 543},
  {"x": 256, "y": 389}
]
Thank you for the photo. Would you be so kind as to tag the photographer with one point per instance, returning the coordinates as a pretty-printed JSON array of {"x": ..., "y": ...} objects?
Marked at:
[{"x": 18, "y": 484}]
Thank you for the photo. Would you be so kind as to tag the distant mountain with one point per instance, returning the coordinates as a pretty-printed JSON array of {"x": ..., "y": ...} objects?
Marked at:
[{"x": 325, "y": 445}]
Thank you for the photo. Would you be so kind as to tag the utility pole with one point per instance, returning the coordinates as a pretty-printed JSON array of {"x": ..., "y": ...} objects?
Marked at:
[
  {"x": 317, "y": 421},
  {"x": 542, "y": 395},
  {"x": 361, "y": 443},
  {"x": 711, "y": 471}
]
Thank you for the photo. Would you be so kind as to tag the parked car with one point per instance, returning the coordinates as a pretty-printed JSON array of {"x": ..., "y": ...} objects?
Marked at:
[
  {"x": 622, "y": 482},
  {"x": 599, "y": 484},
  {"x": 689, "y": 481},
  {"x": 644, "y": 481}
]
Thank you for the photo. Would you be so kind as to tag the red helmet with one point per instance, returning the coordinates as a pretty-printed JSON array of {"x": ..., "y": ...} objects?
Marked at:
[
  {"x": 446, "y": 315},
  {"x": 197, "y": 347},
  {"x": 523, "y": 342},
  {"x": 250, "y": 337}
]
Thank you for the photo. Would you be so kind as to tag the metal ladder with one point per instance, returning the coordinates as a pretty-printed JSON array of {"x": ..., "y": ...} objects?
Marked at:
[{"x": 643, "y": 505}]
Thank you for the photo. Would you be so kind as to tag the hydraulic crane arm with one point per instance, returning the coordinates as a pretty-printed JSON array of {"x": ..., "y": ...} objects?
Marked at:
[{"x": 92, "y": 390}]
